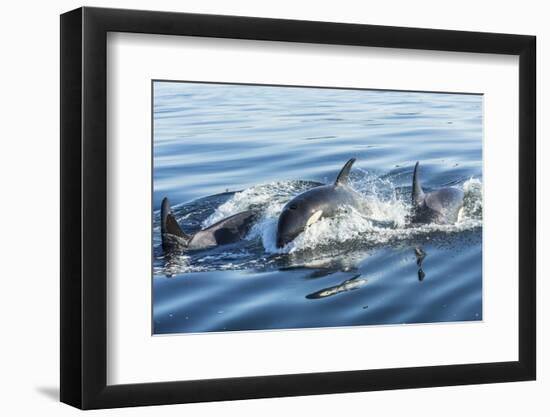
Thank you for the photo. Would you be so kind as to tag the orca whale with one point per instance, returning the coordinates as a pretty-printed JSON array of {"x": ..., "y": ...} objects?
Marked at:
[
  {"x": 228, "y": 230},
  {"x": 323, "y": 201},
  {"x": 348, "y": 285},
  {"x": 440, "y": 206}
]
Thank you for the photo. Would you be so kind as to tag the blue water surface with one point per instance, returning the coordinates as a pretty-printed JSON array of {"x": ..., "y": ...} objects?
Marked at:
[{"x": 220, "y": 149}]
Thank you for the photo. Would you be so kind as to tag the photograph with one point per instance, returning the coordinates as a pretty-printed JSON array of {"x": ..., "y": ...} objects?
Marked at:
[
  {"x": 282, "y": 204},
  {"x": 279, "y": 207}
]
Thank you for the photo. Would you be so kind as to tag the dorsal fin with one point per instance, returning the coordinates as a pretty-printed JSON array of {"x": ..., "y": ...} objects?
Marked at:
[
  {"x": 342, "y": 178},
  {"x": 169, "y": 225},
  {"x": 417, "y": 192}
]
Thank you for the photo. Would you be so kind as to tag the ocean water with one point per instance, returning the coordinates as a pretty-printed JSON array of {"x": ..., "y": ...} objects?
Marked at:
[{"x": 220, "y": 149}]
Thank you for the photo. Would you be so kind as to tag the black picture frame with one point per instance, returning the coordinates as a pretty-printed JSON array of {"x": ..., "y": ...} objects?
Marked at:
[{"x": 84, "y": 207}]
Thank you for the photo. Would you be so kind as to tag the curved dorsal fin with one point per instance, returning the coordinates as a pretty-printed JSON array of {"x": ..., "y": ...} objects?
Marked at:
[
  {"x": 417, "y": 192},
  {"x": 169, "y": 225},
  {"x": 342, "y": 177}
]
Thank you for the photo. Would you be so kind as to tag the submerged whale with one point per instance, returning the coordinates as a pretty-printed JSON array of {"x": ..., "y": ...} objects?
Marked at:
[
  {"x": 348, "y": 285},
  {"x": 319, "y": 202},
  {"x": 228, "y": 230},
  {"x": 439, "y": 206}
]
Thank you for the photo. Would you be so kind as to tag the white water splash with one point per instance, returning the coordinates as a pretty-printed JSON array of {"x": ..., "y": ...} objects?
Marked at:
[
  {"x": 270, "y": 198},
  {"x": 473, "y": 199},
  {"x": 387, "y": 220}
]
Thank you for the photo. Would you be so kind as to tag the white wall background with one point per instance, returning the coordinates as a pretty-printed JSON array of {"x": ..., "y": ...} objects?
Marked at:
[{"x": 29, "y": 213}]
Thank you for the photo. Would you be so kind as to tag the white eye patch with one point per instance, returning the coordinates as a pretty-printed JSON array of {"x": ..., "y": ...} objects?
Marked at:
[{"x": 314, "y": 217}]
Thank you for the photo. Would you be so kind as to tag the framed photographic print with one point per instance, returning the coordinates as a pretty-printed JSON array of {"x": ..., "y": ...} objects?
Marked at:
[{"x": 258, "y": 207}]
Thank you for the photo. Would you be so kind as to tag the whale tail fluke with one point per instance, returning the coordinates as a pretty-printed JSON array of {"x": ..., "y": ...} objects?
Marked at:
[
  {"x": 343, "y": 176},
  {"x": 170, "y": 230},
  {"x": 417, "y": 192}
]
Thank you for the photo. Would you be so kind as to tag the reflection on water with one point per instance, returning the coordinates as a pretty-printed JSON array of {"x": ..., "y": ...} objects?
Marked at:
[
  {"x": 220, "y": 149},
  {"x": 420, "y": 255}
]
